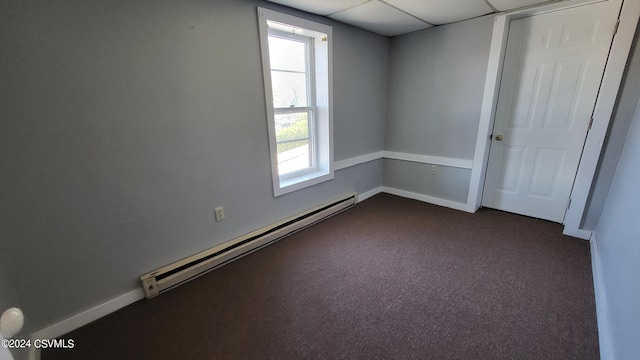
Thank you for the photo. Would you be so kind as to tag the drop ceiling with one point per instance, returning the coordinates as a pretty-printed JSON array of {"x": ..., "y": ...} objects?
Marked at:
[{"x": 396, "y": 17}]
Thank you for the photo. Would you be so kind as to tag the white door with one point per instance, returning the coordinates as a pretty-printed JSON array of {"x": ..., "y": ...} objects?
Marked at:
[{"x": 551, "y": 76}]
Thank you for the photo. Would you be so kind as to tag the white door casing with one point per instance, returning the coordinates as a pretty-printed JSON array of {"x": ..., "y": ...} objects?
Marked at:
[{"x": 551, "y": 75}]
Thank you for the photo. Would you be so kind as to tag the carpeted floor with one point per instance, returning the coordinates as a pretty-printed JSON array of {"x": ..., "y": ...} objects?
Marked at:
[{"x": 391, "y": 278}]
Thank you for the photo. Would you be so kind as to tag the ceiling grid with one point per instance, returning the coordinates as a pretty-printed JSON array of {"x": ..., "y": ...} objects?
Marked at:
[{"x": 397, "y": 17}]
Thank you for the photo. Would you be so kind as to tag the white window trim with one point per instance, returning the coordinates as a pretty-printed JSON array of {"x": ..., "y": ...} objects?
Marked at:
[{"x": 323, "y": 108}]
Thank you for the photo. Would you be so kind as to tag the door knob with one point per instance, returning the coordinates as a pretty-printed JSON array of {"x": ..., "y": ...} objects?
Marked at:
[{"x": 498, "y": 137}]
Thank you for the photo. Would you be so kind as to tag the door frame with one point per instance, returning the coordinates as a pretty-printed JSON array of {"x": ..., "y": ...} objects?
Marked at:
[{"x": 605, "y": 102}]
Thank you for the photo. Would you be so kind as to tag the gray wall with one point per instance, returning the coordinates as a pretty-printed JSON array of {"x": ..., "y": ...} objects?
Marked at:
[
  {"x": 360, "y": 92},
  {"x": 618, "y": 127},
  {"x": 125, "y": 123},
  {"x": 618, "y": 234},
  {"x": 449, "y": 183},
  {"x": 8, "y": 298},
  {"x": 436, "y": 84}
]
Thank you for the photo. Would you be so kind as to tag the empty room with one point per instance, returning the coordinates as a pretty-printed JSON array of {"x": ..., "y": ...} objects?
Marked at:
[{"x": 319, "y": 179}]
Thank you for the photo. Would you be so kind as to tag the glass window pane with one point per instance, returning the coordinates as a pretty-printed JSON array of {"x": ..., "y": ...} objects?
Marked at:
[
  {"x": 292, "y": 135},
  {"x": 295, "y": 158},
  {"x": 289, "y": 89},
  {"x": 292, "y": 126},
  {"x": 287, "y": 54}
]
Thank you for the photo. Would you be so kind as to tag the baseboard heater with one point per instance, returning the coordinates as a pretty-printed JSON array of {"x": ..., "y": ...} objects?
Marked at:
[{"x": 172, "y": 275}]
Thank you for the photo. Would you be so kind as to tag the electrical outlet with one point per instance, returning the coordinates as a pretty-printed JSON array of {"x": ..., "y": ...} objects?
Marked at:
[
  {"x": 219, "y": 213},
  {"x": 434, "y": 169}
]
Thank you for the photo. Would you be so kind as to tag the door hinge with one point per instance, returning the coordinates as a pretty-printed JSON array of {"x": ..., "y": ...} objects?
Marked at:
[
  {"x": 615, "y": 30},
  {"x": 568, "y": 203},
  {"x": 590, "y": 124}
]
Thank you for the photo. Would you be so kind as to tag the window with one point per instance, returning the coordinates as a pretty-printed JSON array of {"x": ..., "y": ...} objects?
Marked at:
[{"x": 296, "y": 60}]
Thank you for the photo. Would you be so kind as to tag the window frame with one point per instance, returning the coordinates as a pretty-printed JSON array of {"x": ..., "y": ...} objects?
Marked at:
[
  {"x": 310, "y": 107},
  {"x": 319, "y": 67}
]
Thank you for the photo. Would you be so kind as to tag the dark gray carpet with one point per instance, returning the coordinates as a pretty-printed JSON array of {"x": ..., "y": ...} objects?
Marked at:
[{"x": 389, "y": 279}]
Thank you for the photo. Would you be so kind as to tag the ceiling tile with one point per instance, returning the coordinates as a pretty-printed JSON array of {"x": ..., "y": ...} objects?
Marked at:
[
  {"x": 439, "y": 12},
  {"x": 320, "y": 7},
  {"x": 504, "y": 5},
  {"x": 380, "y": 18}
]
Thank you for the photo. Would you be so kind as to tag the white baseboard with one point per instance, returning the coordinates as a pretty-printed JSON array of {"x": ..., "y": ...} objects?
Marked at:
[
  {"x": 604, "y": 332},
  {"x": 426, "y": 198},
  {"x": 578, "y": 233},
  {"x": 365, "y": 195},
  {"x": 84, "y": 318}
]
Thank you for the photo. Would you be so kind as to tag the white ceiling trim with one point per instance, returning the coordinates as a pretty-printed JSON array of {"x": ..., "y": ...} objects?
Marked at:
[
  {"x": 442, "y": 11},
  {"x": 379, "y": 17},
  {"x": 347, "y": 8},
  {"x": 320, "y": 7},
  {"x": 490, "y": 5},
  {"x": 508, "y": 5},
  {"x": 389, "y": 3}
]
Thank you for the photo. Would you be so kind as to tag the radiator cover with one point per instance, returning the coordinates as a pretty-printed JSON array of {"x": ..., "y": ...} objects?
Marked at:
[{"x": 179, "y": 272}]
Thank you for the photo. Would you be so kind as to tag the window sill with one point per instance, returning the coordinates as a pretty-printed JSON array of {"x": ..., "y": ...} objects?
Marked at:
[{"x": 301, "y": 182}]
